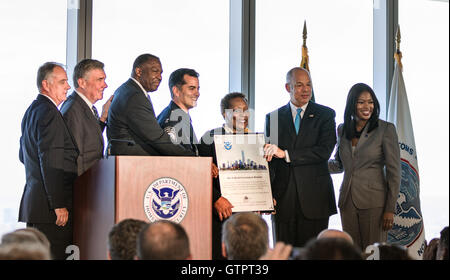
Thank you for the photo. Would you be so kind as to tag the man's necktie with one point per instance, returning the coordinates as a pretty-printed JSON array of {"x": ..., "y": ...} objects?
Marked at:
[
  {"x": 298, "y": 118},
  {"x": 95, "y": 112}
]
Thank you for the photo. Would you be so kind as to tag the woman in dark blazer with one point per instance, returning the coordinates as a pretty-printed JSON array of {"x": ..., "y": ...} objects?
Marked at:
[
  {"x": 369, "y": 155},
  {"x": 234, "y": 109}
]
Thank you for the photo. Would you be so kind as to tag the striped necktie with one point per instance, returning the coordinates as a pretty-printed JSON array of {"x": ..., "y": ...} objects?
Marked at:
[{"x": 95, "y": 112}]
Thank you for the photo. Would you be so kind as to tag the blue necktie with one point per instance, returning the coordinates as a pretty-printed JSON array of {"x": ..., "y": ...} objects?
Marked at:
[{"x": 297, "y": 120}]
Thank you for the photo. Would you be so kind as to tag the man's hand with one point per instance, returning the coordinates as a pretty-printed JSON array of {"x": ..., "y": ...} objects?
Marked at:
[
  {"x": 62, "y": 215},
  {"x": 272, "y": 150},
  {"x": 223, "y": 208},
  {"x": 214, "y": 171},
  {"x": 105, "y": 109},
  {"x": 280, "y": 252}
]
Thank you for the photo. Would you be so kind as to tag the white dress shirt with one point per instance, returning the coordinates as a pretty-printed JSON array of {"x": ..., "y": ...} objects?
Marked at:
[
  {"x": 89, "y": 103},
  {"x": 50, "y": 99},
  {"x": 143, "y": 90}
]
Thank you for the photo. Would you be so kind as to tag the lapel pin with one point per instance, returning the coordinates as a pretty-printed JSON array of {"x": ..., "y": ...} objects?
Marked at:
[{"x": 311, "y": 116}]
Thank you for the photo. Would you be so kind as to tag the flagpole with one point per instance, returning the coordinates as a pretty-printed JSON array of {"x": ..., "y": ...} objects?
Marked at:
[
  {"x": 408, "y": 229},
  {"x": 305, "y": 58},
  {"x": 398, "y": 53}
]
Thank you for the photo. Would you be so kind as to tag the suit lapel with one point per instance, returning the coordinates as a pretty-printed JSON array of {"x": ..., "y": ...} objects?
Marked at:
[
  {"x": 363, "y": 138},
  {"x": 89, "y": 115},
  {"x": 307, "y": 120}
]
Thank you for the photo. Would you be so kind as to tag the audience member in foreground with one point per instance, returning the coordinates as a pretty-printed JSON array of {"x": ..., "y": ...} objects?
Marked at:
[
  {"x": 333, "y": 233},
  {"x": 392, "y": 252},
  {"x": 122, "y": 239},
  {"x": 281, "y": 251},
  {"x": 330, "y": 249},
  {"x": 25, "y": 244},
  {"x": 442, "y": 251},
  {"x": 163, "y": 240},
  {"x": 244, "y": 237}
]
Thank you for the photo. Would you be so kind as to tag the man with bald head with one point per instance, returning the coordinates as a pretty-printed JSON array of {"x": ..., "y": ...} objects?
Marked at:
[
  {"x": 163, "y": 240},
  {"x": 49, "y": 154},
  {"x": 334, "y": 233},
  {"x": 302, "y": 137},
  {"x": 132, "y": 128}
]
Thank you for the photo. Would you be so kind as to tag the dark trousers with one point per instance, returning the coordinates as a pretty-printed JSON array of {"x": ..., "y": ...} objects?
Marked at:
[
  {"x": 217, "y": 237},
  {"x": 291, "y": 225},
  {"x": 59, "y": 237}
]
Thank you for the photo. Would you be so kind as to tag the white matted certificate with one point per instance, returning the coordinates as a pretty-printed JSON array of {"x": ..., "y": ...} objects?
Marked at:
[{"x": 244, "y": 172}]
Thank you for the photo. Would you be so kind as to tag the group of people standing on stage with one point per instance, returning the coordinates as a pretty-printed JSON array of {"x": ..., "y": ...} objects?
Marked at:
[{"x": 56, "y": 146}]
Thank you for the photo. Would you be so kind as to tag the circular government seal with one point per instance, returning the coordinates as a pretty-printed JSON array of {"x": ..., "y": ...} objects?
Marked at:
[{"x": 166, "y": 199}]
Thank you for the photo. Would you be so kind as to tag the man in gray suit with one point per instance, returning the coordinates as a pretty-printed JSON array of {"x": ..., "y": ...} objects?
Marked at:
[
  {"x": 81, "y": 115},
  {"x": 132, "y": 125}
]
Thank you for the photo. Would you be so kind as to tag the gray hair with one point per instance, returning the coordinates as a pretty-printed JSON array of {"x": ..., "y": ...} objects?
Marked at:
[
  {"x": 83, "y": 67},
  {"x": 45, "y": 71},
  {"x": 291, "y": 72},
  {"x": 246, "y": 236}
]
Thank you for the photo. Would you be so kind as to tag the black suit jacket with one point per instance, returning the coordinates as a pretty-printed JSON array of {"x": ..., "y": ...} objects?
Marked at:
[
  {"x": 86, "y": 129},
  {"x": 178, "y": 124},
  {"x": 49, "y": 153},
  {"x": 207, "y": 149},
  {"x": 131, "y": 118},
  {"x": 309, "y": 152}
]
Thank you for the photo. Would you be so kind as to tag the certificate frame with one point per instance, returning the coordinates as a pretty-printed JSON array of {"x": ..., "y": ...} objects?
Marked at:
[{"x": 244, "y": 172}]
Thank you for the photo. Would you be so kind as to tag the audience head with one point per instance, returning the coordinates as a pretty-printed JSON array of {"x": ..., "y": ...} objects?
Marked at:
[
  {"x": 52, "y": 81},
  {"x": 89, "y": 79},
  {"x": 330, "y": 249},
  {"x": 358, "y": 94},
  {"x": 184, "y": 88},
  {"x": 299, "y": 86},
  {"x": 234, "y": 109},
  {"x": 25, "y": 244},
  {"x": 147, "y": 70},
  {"x": 431, "y": 249},
  {"x": 442, "y": 251},
  {"x": 163, "y": 240},
  {"x": 393, "y": 252},
  {"x": 334, "y": 233},
  {"x": 122, "y": 239},
  {"x": 244, "y": 237}
]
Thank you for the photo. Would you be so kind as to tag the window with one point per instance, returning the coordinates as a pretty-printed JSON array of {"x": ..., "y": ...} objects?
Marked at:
[
  {"x": 35, "y": 33},
  {"x": 340, "y": 53},
  {"x": 191, "y": 34},
  {"x": 424, "y": 47}
]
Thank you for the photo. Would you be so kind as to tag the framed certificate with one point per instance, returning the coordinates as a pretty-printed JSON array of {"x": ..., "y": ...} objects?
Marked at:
[{"x": 244, "y": 172}]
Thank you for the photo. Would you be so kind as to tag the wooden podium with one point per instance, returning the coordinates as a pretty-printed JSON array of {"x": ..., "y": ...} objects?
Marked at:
[{"x": 114, "y": 189}]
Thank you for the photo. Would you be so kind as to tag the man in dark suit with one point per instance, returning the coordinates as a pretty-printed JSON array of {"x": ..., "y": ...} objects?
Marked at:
[
  {"x": 81, "y": 115},
  {"x": 132, "y": 125},
  {"x": 302, "y": 137},
  {"x": 174, "y": 119},
  {"x": 49, "y": 153}
]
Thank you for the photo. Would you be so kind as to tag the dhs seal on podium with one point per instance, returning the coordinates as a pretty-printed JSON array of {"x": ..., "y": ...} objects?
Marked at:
[{"x": 166, "y": 199}]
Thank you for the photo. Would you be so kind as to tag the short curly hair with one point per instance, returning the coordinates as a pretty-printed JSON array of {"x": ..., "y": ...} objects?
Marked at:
[
  {"x": 225, "y": 103},
  {"x": 122, "y": 239}
]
